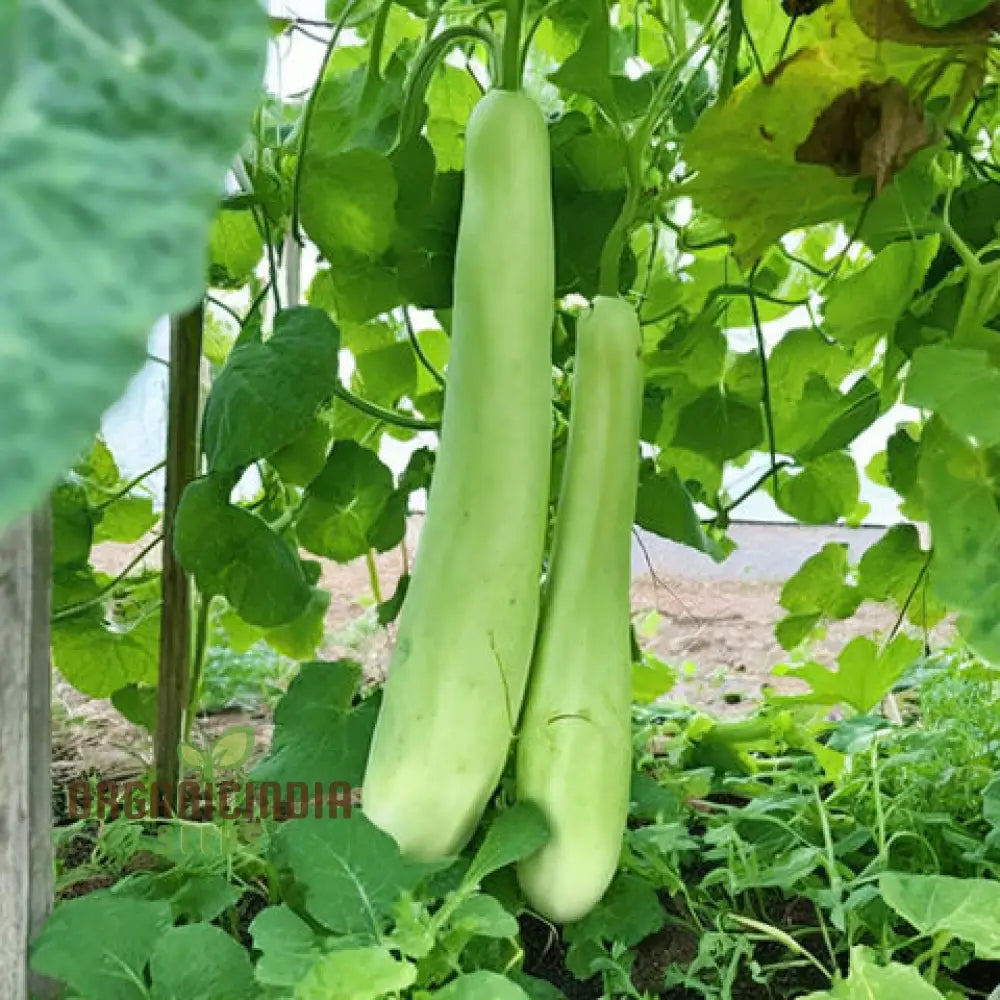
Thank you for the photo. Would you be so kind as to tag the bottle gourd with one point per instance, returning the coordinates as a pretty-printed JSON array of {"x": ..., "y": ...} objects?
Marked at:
[
  {"x": 574, "y": 752},
  {"x": 458, "y": 672}
]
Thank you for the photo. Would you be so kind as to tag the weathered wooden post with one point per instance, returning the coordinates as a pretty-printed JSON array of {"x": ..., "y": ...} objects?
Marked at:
[{"x": 25, "y": 747}]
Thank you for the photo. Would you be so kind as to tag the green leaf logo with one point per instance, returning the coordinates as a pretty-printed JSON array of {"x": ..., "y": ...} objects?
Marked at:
[
  {"x": 233, "y": 747},
  {"x": 191, "y": 757},
  {"x": 227, "y": 753}
]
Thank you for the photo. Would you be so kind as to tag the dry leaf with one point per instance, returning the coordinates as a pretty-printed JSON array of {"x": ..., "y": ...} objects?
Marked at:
[
  {"x": 893, "y": 21},
  {"x": 871, "y": 131}
]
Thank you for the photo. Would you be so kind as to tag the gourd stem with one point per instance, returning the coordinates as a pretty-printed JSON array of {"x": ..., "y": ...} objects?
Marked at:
[
  {"x": 373, "y": 74},
  {"x": 614, "y": 245},
  {"x": 510, "y": 70}
]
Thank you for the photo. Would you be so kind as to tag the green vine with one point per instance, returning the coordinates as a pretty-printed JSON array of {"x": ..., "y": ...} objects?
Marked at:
[
  {"x": 392, "y": 417},
  {"x": 634, "y": 148},
  {"x": 730, "y": 61}
]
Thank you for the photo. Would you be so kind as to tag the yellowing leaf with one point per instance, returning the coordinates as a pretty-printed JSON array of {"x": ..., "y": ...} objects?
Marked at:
[{"x": 745, "y": 150}]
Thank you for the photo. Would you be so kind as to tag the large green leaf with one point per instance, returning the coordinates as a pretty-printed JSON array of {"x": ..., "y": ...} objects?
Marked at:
[
  {"x": 137, "y": 702},
  {"x": 583, "y": 220},
  {"x": 351, "y": 872},
  {"x": 105, "y": 636},
  {"x": 665, "y": 507},
  {"x": 200, "y": 962},
  {"x": 235, "y": 246},
  {"x": 355, "y": 289},
  {"x": 117, "y": 122},
  {"x": 939, "y": 13},
  {"x": 268, "y": 393},
  {"x": 386, "y": 373},
  {"x": 812, "y": 416},
  {"x": 718, "y": 426},
  {"x": 356, "y": 974},
  {"x": 300, "y": 461},
  {"x": 865, "y": 674},
  {"x": 301, "y": 637},
  {"x": 690, "y": 354},
  {"x": 962, "y": 385},
  {"x": 350, "y": 112},
  {"x": 484, "y": 916},
  {"x": 348, "y": 203},
  {"x": 193, "y": 895},
  {"x": 517, "y": 833},
  {"x": 957, "y": 485},
  {"x": 588, "y": 70},
  {"x": 99, "y": 659},
  {"x": 629, "y": 912},
  {"x": 125, "y": 520},
  {"x": 872, "y": 301},
  {"x": 823, "y": 492},
  {"x": 819, "y": 589},
  {"x": 481, "y": 985},
  {"x": 289, "y": 947},
  {"x": 895, "y": 568},
  {"x": 235, "y": 554},
  {"x": 991, "y": 803},
  {"x": 100, "y": 944},
  {"x": 72, "y": 526},
  {"x": 97, "y": 505},
  {"x": 318, "y": 737},
  {"x": 869, "y": 981},
  {"x": 349, "y": 507},
  {"x": 451, "y": 97},
  {"x": 965, "y": 908}
]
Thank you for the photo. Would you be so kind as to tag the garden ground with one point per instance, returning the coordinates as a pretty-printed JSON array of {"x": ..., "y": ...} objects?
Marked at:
[{"x": 714, "y": 622}]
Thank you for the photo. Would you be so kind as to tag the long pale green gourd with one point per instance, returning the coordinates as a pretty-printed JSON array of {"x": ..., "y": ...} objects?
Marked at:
[
  {"x": 459, "y": 668},
  {"x": 574, "y": 755}
]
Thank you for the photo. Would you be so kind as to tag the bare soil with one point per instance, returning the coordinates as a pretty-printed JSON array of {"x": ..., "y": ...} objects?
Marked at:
[{"x": 720, "y": 634}]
